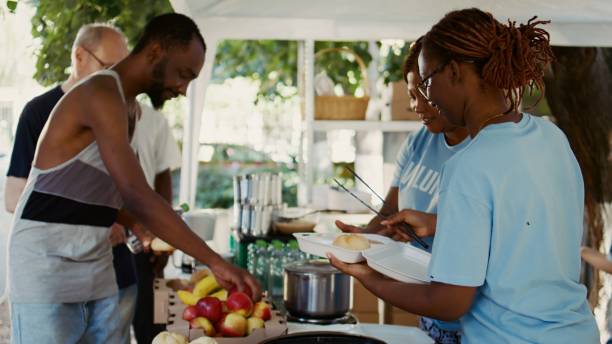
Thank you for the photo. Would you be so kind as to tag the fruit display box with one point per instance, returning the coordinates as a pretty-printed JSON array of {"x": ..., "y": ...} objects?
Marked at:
[{"x": 168, "y": 309}]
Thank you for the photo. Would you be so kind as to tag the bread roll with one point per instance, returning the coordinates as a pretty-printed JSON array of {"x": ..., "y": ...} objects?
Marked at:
[
  {"x": 158, "y": 245},
  {"x": 353, "y": 242},
  {"x": 169, "y": 338}
]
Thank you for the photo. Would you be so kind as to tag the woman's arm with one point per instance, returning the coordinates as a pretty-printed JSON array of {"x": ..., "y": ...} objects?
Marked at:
[
  {"x": 436, "y": 300},
  {"x": 597, "y": 259},
  {"x": 423, "y": 224},
  {"x": 390, "y": 207},
  {"x": 374, "y": 226}
]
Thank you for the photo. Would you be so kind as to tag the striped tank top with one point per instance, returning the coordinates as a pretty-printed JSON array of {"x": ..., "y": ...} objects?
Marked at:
[{"x": 59, "y": 248}]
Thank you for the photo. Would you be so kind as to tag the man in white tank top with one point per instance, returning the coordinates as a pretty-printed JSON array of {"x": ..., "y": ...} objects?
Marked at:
[{"x": 84, "y": 172}]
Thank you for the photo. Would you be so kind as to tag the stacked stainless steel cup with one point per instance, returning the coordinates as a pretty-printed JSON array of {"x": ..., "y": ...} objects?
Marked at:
[{"x": 256, "y": 198}]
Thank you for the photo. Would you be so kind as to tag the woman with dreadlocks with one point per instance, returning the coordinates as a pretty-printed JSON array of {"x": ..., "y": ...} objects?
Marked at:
[
  {"x": 414, "y": 187},
  {"x": 506, "y": 258}
]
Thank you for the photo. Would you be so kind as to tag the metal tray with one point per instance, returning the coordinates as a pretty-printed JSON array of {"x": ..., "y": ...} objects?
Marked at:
[{"x": 319, "y": 244}]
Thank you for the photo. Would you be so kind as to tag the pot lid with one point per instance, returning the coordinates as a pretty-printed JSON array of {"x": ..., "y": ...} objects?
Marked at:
[{"x": 317, "y": 266}]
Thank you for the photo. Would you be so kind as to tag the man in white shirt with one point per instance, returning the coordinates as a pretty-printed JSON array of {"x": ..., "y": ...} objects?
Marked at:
[{"x": 158, "y": 154}]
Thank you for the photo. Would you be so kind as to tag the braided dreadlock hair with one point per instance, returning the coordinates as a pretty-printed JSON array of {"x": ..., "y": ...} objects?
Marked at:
[
  {"x": 412, "y": 59},
  {"x": 509, "y": 57}
]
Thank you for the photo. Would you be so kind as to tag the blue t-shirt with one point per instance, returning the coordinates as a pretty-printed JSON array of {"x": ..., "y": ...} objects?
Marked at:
[
  {"x": 417, "y": 176},
  {"x": 510, "y": 223}
]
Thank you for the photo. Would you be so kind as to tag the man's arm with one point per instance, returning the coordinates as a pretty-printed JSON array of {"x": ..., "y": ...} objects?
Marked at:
[
  {"x": 13, "y": 189},
  {"x": 107, "y": 118}
]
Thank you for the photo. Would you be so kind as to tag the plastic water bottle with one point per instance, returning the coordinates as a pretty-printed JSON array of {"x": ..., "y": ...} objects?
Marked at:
[
  {"x": 262, "y": 266},
  {"x": 251, "y": 258},
  {"x": 253, "y": 251},
  {"x": 296, "y": 253},
  {"x": 275, "y": 280}
]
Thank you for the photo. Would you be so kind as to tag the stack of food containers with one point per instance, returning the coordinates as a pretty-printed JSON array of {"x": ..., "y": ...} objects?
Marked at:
[{"x": 257, "y": 197}]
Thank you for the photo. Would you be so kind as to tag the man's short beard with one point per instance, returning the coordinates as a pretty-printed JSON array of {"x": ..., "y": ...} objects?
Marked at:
[{"x": 156, "y": 90}]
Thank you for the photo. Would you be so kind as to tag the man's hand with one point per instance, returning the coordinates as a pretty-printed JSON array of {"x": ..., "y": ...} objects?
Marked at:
[
  {"x": 117, "y": 234},
  {"x": 424, "y": 224},
  {"x": 229, "y": 276},
  {"x": 144, "y": 236}
]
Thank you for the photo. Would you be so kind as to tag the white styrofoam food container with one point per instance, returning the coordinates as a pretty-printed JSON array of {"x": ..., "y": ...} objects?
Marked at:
[
  {"x": 402, "y": 262},
  {"x": 319, "y": 244}
]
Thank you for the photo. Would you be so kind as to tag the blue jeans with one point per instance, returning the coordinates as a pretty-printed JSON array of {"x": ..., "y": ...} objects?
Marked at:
[
  {"x": 127, "y": 308},
  {"x": 91, "y": 322},
  {"x": 439, "y": 335}
]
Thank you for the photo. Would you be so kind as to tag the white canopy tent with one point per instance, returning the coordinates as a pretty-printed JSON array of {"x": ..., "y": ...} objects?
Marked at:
[{"x": 574, "y": 23}]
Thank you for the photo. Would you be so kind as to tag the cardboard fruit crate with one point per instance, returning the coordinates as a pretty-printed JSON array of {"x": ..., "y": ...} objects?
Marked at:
[{"x": 168, "y": 309}]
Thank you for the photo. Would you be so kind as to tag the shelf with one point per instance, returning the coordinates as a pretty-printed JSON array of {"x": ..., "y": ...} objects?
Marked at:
[{"x": 386, "y": 126}]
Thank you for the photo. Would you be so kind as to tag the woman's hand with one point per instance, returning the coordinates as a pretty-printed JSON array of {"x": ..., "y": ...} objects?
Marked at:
[
  {"x": 424, "y": 224},
  {"x": 388, "y": 231},
  {"x": 360, "y": 271},
  {"x": 349, "y": 228}
]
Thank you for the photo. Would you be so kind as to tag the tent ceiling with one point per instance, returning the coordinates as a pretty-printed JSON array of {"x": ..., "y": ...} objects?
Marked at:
[{"x": 587, "y": 22}]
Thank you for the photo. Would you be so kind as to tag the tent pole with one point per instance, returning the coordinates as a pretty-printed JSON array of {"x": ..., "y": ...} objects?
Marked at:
[{"x": 196, "y": 94}]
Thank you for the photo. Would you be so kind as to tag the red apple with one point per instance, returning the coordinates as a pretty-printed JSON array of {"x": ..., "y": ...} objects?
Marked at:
[
  {"x": 254, "y": 323},
  {"x": 233, "y": 325},
  {"x": 247, "y": 290},
  {"x": 190, "y": 313},
  {"x": 210, "y": 308},
  {"x": 204, "y": 324},
  {"x": 218, "y": 324},
  {"x": 240, "y": 303},
  {"x": 262, "y": 311}
]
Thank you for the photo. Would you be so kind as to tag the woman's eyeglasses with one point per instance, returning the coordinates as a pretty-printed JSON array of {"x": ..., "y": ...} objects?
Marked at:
[
  {"x": 424, "y": 85},
  {"x": 426, "y": 82}
]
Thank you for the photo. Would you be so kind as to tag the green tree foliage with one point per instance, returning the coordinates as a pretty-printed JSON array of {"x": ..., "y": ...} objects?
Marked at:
[
  {"x": 392, "y": 66},
  {"x": 274, "y": 64},
  {"x": 56, "y": 23},
  {"x": 11, "y": 5}
]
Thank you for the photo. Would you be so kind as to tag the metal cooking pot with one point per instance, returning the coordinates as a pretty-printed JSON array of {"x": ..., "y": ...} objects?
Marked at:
[{"x": 315, "y": 289}]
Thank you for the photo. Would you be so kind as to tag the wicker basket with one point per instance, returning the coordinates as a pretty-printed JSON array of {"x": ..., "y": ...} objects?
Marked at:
[{"x": 343, "y": 107}]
